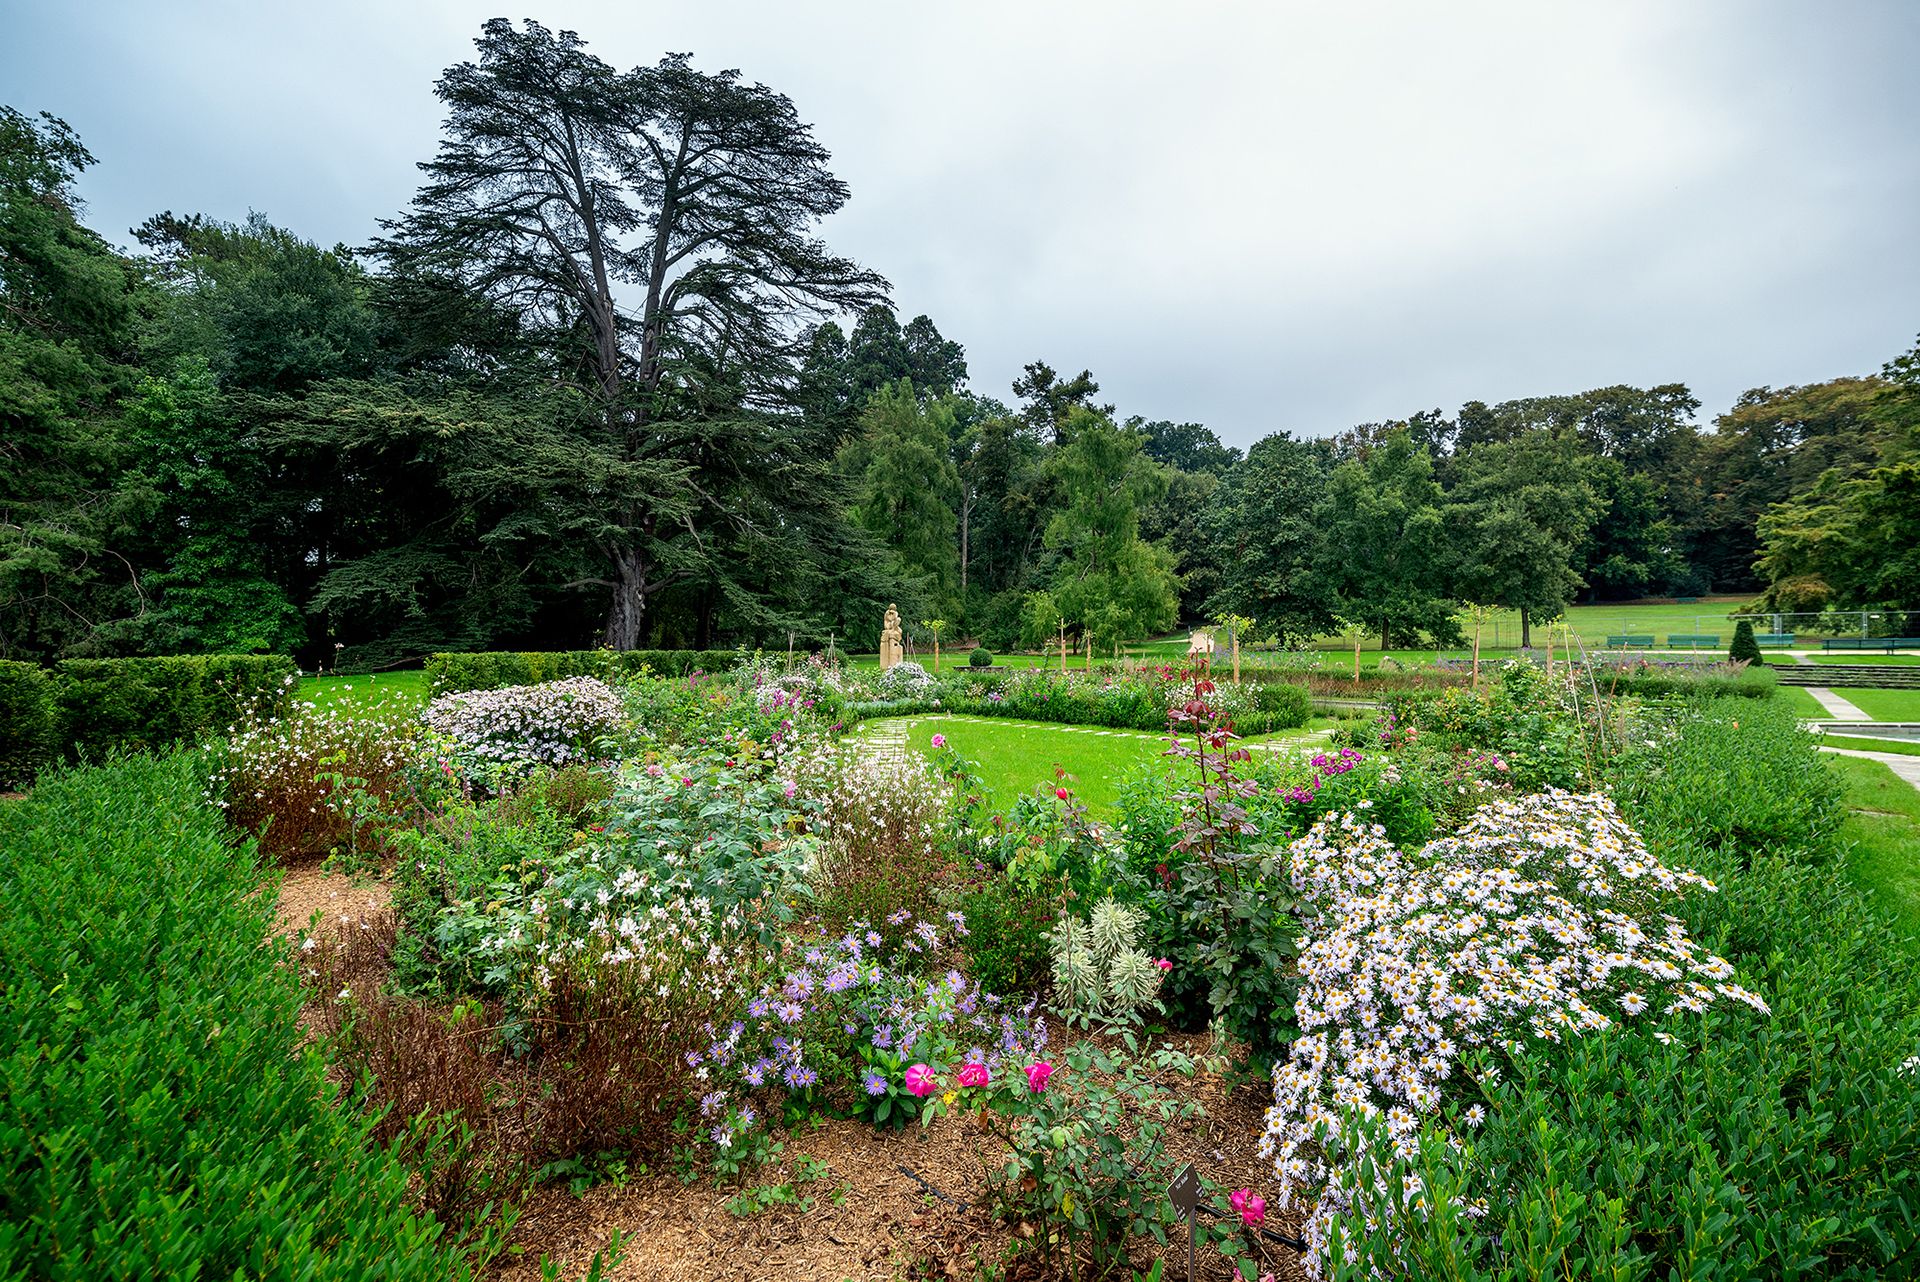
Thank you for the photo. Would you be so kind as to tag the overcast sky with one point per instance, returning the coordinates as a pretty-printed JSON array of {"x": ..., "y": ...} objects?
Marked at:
[{"x": 1257, "y": 216}]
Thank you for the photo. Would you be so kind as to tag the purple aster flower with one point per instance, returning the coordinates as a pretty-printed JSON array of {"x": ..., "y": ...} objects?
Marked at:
[{"x": 875, "y": 1084}]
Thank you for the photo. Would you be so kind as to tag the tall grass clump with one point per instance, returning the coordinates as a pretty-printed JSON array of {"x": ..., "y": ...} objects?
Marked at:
[{"x": 160, "y": 1118}]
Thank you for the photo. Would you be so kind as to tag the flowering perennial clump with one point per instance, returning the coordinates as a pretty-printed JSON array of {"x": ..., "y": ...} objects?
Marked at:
[
  {"x": 1538, "y": 920},
  {"x": 850, "y": 1015},
  {"x": 549, "y": 724}
]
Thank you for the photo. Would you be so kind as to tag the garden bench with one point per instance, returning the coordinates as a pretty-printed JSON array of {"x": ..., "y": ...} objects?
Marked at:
[
  {"x": 1633, "y": 642},
  {"x": 1773, "y": 638},
  {"x": 1694, "y": 640},
  {"x": 1888, "y": 644}
]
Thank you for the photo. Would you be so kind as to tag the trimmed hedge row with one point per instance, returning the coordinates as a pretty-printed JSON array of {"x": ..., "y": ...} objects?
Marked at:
[
  {"x": 158, "y": 1116},
  {"x": 96, "y": 707},
  {"x": 29, "y": 724},
  {"x": 492, "y": 669},
  {"x": 1279, "y": 708}
]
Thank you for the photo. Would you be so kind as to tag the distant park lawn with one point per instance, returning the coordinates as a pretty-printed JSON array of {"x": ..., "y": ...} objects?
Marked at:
[
  {"x": 402, "y": 691},
  {"x": 1013, "y": 758},
  {"x": 1886, "y": 705},
  {"x": 1896, "y": 660},
  {"x": 1882, "y": 837}
]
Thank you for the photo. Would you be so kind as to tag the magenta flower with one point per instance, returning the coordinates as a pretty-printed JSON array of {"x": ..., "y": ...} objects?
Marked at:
[
  {"x": 920, "y": 1081},
  {"x": 974, "y": 1075},
  {"x": 1061, "y": 793},
  {"x": 939, "y": 741},
  {"x": 1037, "y": 1075},
  {"x": 1163, "y": 963},
  {"x": 1252, "y": 1207}
]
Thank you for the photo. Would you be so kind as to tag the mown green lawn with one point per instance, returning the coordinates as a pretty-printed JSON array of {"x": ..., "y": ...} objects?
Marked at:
[
  {"x": 403, "y": 691},
  {"x": 1884, "y": 705},
  {"x": 1882, "y": 832},
  {"x": 1015, "y": 757},
  {"x": 1861, "y": 743},
  {"x": 1894, "y": 660}
]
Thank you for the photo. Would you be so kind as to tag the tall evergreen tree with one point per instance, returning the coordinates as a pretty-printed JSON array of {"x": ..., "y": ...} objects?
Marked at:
[{"x": 562, "y": 182}]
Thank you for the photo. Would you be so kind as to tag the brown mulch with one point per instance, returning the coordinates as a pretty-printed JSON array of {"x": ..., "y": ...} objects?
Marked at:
[
  {"x": 869, "y": 1219},
  {"x": 885, "y": 1223},
  {"x": 343, "y": 902}
]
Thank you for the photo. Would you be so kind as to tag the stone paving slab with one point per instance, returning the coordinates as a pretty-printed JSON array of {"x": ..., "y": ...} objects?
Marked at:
[
  {"x": 1908, "y": 768},
  {"x": 1839, "y": 708}
]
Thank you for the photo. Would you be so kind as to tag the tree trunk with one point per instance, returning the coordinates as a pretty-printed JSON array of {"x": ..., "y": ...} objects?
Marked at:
[
  {"x": 1386, "y": 636},
  {"x": 1526, "y": 630},
  {"x": 966, "y": 512},
  {"x": 703, "y": 635},
  {"x": 628, "y": 610}
]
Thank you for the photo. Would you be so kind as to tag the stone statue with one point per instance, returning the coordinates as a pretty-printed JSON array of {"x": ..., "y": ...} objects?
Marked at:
[{"x": 891, "y": 648}]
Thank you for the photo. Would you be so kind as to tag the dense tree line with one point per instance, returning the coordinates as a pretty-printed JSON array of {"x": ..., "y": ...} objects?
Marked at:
[{"x": 603, "y": 383}]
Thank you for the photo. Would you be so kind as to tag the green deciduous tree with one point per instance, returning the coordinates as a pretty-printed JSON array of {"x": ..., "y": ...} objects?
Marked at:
[
  {"x": 1380, "y": 544},
  {"x": 905, "y": 489},
  {"x": 1108, "y": 580},
  {"x": 65, "y": 351},
  {"x": 1262, "y": 534},
  {"x": 1520, "y": 515}
]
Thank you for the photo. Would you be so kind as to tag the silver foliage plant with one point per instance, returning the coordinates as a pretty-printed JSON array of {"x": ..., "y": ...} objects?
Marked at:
[{"x": 1100, "y": 975}]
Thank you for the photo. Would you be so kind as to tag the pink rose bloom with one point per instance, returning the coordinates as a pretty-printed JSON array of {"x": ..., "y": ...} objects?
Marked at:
[
  {"x": 1037, "y": 1075},
  {"x": 1252, "y": 1207},
  {"x": 974, "y": 1075},
  {"x": 1163, "y": 964},
  {"x": 1061, "y": 793},
  {"x": 920, "y": 1081},
  {"x": 939, "y": 741}
]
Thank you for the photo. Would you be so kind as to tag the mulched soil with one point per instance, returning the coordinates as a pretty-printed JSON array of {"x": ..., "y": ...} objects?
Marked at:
[
  {"x": 886, "y": 1224},
  {"x": 892, "y": 1205},
  {"x": 343, "y": 902}
]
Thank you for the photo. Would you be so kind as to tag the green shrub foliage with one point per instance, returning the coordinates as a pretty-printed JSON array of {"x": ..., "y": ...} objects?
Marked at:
[
  {"x": 28, "y": 726},
  {"x": 1784, "y": 1147},
  {"x": 159, "y": 1117},
  {"x": 1744, "y": 646},
  {"x": 119, "y": 705},
  {"x": 490, "y": 670}
]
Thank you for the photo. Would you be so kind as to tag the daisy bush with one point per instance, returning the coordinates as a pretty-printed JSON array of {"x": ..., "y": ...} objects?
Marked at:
[
  {"x": 550, "y": 724},
  {"x": 1542, "y": 918}
]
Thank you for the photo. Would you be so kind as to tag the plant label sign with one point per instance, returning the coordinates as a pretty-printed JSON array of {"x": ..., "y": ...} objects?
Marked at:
[{"x": 1184, "y": 1193}]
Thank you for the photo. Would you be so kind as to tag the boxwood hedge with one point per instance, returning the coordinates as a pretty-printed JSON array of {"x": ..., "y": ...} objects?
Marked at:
[
  {"x": 158, "y": 1116},
  {"x": 492, "y": 669}
]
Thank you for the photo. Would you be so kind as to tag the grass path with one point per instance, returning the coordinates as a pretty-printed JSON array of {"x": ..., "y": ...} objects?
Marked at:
[
  {"x": 366, "y": 692},
  {"x": 1014, "y": 757},
  {"x": 1882, "y": 836}
]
